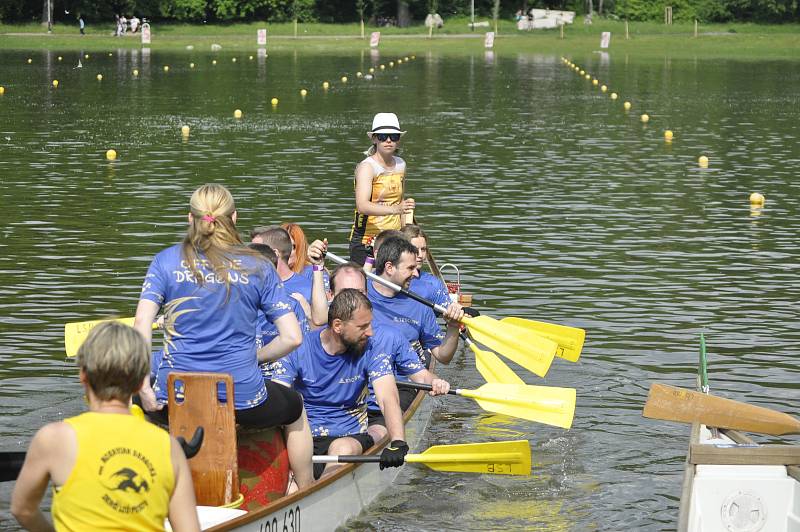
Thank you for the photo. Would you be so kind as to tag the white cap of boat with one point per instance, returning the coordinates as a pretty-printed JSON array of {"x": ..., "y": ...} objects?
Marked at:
[{"x": 385, "y": 123}]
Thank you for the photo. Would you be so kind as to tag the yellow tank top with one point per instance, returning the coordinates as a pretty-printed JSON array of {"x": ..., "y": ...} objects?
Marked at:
[
  {"x": 387, "y": 189},
  {"x": 122, "y": 479}
]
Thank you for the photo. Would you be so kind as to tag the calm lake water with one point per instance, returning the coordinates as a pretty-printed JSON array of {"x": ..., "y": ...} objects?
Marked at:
[{"x": 555, "y": 203}]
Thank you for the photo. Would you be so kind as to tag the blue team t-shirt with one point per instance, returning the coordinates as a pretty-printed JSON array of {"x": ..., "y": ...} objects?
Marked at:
[
  {"x": 431, "y": 288},
  {"x": 412, "y": 319},
  {"x": 334, "y": 387},
  {"x": 215, "y": 331},
  {"x": 405, "y": 361},
  {"x": 302, "y": 282},
  {"x": 267, "y": 332}
]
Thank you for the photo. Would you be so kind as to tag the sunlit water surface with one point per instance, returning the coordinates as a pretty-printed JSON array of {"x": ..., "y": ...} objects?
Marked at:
[{"x": 554, "y": 202}]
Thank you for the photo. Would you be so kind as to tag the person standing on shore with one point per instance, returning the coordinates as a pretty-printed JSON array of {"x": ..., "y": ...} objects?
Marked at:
[
  {"x": 81, "y": 25},
  {"x": 379, "y": 187}
]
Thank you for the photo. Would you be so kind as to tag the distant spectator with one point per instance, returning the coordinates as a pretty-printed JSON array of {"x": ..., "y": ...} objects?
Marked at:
[
  {"x": 123, "y": 25},
  {"x": 81, "y": 25},
  {"x": 134, "y": 24}
]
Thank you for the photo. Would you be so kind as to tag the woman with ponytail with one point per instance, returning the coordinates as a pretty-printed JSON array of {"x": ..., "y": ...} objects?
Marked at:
[{"x": 211, "y": 288}]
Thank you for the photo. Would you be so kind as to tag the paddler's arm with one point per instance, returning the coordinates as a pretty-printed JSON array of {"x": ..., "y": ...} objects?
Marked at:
[
  {"x": 289, "y": 338},
  {"x": 319, "y": 299},
  {"x": 389, "y": 401},
  {"x": 146, "y": 312},
  {"x": 444, "y": 352},
  {"x": 182, "y": 504},
  {"x": 33, "y": 479},
  {"x": 364, "y": 205}
]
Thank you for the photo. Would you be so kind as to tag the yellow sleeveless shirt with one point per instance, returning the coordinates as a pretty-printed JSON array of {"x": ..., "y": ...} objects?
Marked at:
[
  {"x": 122, "y": 479},
  {"x": 387, "y": 189}
]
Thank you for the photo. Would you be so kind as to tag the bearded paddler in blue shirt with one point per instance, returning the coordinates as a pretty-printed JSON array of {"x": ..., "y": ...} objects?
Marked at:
[
  {"x": 332, "y": 371},
  {"x": 212, "y": 288}
]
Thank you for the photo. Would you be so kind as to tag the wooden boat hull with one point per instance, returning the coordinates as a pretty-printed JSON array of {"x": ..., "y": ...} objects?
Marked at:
[{"x": 330, "y": 502}]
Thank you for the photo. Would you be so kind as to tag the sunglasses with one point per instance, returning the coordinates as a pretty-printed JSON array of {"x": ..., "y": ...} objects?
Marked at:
[{"x": 394, "y": 137}]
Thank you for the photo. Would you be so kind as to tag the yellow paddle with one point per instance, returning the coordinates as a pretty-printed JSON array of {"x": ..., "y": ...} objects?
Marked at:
[
  {"x": 490, "y": 366},
  {"x": 529, "y": 350},
  {"x": 676, "y": 404},
  {"x": 569, "y": 339},
  {"x": 496, "y": 458},
  {"x": 544, "y": 404},
  {"x": 75, "y": 333}
]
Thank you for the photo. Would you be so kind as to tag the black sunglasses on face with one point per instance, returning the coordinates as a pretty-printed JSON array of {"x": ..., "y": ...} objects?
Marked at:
[{"x": 394, "y": 137}]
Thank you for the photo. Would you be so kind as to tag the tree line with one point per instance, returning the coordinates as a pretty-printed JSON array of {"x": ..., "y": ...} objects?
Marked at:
[{"x": 378, "y": 12}]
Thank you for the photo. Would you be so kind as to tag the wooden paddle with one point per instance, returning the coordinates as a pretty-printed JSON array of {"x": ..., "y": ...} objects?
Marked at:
[
  {"x": 529, "y": 350},
  {"x": 75, "y": 333},
  {"x": 490, "y": 366},
  {"x": 676, "y": 404},
  {"x": 544, "y": 404},
  {"x": 496, "y": 458},
  {"x": 569, "y": 339}
]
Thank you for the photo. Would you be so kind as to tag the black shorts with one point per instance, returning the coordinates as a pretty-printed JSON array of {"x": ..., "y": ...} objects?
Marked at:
[
  {"x": 359, "y": 252},
  {"x": 282, "y": 407},
  {"x": 407, "y": 396},
  {"x": 322, "y": 443}
]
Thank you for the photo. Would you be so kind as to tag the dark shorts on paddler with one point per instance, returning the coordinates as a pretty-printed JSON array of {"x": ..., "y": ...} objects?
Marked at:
[{"x": 322, "y": 443}]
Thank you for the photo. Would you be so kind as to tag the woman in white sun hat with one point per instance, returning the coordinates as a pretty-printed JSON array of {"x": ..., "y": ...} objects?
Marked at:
[{"x": 380, "y": 185}]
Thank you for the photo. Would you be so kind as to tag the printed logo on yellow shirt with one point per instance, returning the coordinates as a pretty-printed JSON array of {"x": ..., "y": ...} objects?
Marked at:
[{"x": 126, "y": 474}]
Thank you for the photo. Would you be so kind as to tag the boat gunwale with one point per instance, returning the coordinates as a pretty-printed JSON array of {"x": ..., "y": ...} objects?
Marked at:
[{"x": 288, "y": 500}]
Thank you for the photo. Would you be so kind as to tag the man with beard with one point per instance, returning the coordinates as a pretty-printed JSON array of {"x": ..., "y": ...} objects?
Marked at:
[
  {"x": 332, "y": 370},
  {"x": 397, "y": 262}
]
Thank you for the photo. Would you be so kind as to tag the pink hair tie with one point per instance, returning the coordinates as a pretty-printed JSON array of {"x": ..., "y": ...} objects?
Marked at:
[{"x": 209, "y": 218}]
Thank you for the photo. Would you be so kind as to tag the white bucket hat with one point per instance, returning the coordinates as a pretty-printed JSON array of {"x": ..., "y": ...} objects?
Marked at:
[{"x": 385, "y": 123}]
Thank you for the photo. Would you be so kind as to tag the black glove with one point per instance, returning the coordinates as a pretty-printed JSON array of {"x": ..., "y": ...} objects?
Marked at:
[{"x": 394, "y": 455}]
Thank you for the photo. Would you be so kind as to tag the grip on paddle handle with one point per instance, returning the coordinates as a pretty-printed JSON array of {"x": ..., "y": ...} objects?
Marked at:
[
  {"x": 472, "y": 312},
  {"x": 193, "y": 447}
]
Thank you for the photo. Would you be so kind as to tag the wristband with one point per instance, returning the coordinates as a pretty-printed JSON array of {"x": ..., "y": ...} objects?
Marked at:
[
  {"x": 318, "y": 267},
  {"x": 370, "y": 261}
]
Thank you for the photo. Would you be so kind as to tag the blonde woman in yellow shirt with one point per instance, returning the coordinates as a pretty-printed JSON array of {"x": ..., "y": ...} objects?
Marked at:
[
  {"x": 110, "y": 470},
  {"x": 380, "y": 186}
]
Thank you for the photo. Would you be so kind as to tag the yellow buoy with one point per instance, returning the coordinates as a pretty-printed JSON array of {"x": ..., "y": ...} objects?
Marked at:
[
  {"x": 2, "y": 90},
  {"x": 110, "y": 54},
  {"x": 627, "y": 106},
  {"x": 757, "y": 199},
  {"x": 391, "y": 64},
  {"x": 399, "y": 61},
  {"x": 135, "y": 72},
  {"x": 274, "y": 101},
  {"x": 703, "y": 161},
  {"x": 645, "y": 118},
  {"x": 111, "y": 155},
  {"x": 30, "y": 60},
  {"x": 406, "y": 58},
  {"x": 303, "y": 92},
  {"x": 587, "y": 76},
  {"x": 614, "y": 96},
  {"x": 326, "y": 85},
  {"x": 86, "y": 56},
  {"x": 185, "y": 131},
  {"x": 344, "y": 79},
  {"x": 191, "y": 65},
  {"x": 233, "y": 60},
  {"x": 603, "y": 88},
  {"x": 668, "y": 135},
  {"x": 359, "y": 74},
  {"x": 250, "y": 58},
  {"x": 383, "y": 67},
  {"x": 237, "y": 113},
  {"x": 413, "y": 57},
  {"x": 371, "y": 70},
  {"x": 166, "y": 68},
  {"x": 60, "y": 58},
  {"x": 214, "y": 62},
  {"x": 55, "y": 83},
  {"x": 595, "y": 82},
  {"x": 99, "y": 77},
  {"x": 583, "y": 72}
]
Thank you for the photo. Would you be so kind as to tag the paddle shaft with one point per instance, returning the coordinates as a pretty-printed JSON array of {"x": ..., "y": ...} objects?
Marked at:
[
  {"x": 420, "y": 386},
  {"x": 413, "y": 458}
]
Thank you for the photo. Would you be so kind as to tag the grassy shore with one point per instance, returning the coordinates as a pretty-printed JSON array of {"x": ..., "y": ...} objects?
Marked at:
[{"x": 744, "y": 41}]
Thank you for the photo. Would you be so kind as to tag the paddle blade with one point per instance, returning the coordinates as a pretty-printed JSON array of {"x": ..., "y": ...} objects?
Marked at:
[
  {"x": 544, "y": 404},
  {"x": 569, "y": 339},
  {"x": 529, "y": 350},
  {"x": 496, "y": 458},
  {"x": 492, "y": 368},
  {"x": 676, "y": 404},
  {"x": 75, "y": 333}
]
